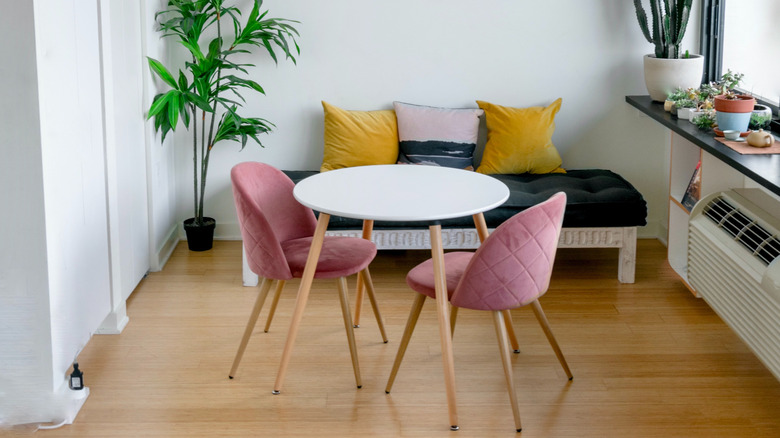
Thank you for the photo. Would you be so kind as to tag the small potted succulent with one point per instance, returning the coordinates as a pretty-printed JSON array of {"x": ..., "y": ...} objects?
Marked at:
[
  {"x": 685, "y": 107},
  {"x": 705, "y": 120},
  {"x": 733, "y": 109},
  {"x": 704, "y": 95},
  {"x": 759, "y": 121},
  {"x": 671, "y": 98}
]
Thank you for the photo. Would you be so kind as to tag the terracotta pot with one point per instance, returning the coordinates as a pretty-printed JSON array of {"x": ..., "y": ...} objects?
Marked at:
[{"x": 743, "y": 104}]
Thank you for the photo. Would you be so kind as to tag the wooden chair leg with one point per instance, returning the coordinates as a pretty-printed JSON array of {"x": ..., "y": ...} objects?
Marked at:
[
  {"x": 342, "y": 285},
  {"x": 540, "y": 316},
  {"x": 503, "y": 347},
  {"x": 453, "y": 319},
  {"x": 510, "y": 331},
  {"x": 414, "y": 314},
  {"x": 366, "y": 276},
  {"x": 250, "y": 325},
  {"x": 272, "y": 310},
  {"x": 359, "y": 292},
  {"x": 304, "y": 289},
  {"x": 368, "y": 228}
]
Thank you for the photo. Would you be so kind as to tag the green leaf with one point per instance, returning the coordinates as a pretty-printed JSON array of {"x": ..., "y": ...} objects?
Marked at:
[
  {"x": 157, "y": 67},
  {"x": 255, "y": 11},
  {"x": 194, "y": 50},
  {"x": 158, "y": 104},
  {"x": 270, "y": 50},
  {"x": 185, "y": 113},
  {"x": 183, "y": 84},
  {"x": 199, "y": 101},
  {"x": 215, "y": 47},
  {"x": 173, "y": 109}
]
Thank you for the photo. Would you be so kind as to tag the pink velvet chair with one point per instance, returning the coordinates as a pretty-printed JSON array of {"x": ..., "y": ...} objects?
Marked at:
[
  {"x": 277, "y": 233},
  {"x": 510, "y": 269}
]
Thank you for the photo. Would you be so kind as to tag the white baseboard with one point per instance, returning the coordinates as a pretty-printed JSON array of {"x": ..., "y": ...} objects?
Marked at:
[
  {"x": 164, "y": 251},
  {"x": 115, "y": 322},
  {"x": 72, "y": 401},
  {"x": 50, "y": 410},
  {"x": 653, "y": 230},
  {"x": 229, "y": 231}
]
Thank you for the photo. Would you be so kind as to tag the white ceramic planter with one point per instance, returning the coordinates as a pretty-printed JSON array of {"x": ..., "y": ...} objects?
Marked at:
[
  {"x": 662, "y": 76},
  {"x": 695, "y": 113},
  {"x": 685, "y": 113},
  {"x": 762, "y": 109}
]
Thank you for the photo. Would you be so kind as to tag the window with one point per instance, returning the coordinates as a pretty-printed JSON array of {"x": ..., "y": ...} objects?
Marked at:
[{"x": 744, "y": 36}]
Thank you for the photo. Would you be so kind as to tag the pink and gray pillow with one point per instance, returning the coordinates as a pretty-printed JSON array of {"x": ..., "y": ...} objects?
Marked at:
[{"x": 435, "y": 136}]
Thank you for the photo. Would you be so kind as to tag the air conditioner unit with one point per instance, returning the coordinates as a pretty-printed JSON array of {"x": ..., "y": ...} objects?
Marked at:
[{"x": 733, "y": 252}]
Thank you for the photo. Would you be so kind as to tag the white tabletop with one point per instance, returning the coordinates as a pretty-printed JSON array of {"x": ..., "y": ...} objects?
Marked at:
[{"x": 399, "y": 192}]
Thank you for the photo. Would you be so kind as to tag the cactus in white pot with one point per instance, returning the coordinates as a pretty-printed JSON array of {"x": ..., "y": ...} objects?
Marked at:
[
  {"x": 668, "y": 25},
  {"x": 668, "y": 67}
]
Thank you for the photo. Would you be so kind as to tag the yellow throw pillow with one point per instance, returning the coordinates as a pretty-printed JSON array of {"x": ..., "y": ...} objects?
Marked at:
[
  {"x": 359, "y": 138},
  {"x": 519, "y": 140}
]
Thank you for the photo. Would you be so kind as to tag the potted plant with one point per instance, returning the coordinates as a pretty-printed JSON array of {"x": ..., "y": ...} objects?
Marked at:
[
  {"x": 705, "y": 120},
  {"x": 668, "y": 68},
  {"x": 707, "y": 92},
  {"x": 674, "y": 96},
  {"x": 206, "y": 93},
  {"x": 684, "y": 108},
  {"x": 733, "y": 109},
  {"x": 759, "y": 121}
]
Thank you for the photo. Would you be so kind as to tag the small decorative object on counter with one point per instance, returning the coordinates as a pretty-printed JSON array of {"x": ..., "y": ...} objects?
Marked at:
[{"x": 760, "y": 139}]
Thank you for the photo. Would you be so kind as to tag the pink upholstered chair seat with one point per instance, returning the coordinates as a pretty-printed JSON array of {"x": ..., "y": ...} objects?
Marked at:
[
  {"x": 420, "y": 278},
  {"x": 340, "y": 256}
]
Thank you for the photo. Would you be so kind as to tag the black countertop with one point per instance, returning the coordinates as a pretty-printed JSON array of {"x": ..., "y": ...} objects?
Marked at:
[{"x": 763, "y": 169}]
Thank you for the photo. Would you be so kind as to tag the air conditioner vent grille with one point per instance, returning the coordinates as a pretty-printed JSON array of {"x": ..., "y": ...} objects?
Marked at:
[{"x": 761, "y": 243}]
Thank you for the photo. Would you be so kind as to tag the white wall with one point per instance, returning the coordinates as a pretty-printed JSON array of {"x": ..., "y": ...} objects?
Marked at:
[
  {"x": 121, "y": 42},
  {"x": 160, "y": 161},
  {"x": 69, "y": 88},
  {"x": 365, "y": 54},
  {"x": 56, "y": 235},
  {"x": 25, "y": 331}
]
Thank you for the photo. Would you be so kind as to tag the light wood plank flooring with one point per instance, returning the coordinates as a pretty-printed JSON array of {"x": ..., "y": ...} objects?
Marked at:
[{"x": 649, "y": 360}]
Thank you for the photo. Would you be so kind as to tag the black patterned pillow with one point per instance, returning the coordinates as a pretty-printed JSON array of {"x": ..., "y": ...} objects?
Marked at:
[{"x": 434, "y": 136}]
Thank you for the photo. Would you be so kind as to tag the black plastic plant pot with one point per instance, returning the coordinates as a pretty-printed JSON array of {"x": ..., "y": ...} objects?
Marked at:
[{"x": 200, "y": 237}]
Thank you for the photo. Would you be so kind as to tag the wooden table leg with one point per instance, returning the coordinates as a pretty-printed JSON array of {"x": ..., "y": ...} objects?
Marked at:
[
  {"x": 442, "y": 306},
  {"x": 481, "y": 226},
  {"x": 368, "y": 228},
  {"x": 303, "y": 296},
  {"x": 482, "y": 232}
]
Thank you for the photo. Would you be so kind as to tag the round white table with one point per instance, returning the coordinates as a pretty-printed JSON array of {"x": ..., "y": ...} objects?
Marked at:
[
  {"x": 396, "y": 193},
  {"x": 401, "y": 192}
]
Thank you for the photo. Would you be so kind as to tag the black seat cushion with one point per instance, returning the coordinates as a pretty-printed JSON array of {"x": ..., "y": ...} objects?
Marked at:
[{"x": 595, "y": 198}]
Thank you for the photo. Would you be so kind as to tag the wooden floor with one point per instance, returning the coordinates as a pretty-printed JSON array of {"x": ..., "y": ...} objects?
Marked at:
[{"x": 649, "y": 360}]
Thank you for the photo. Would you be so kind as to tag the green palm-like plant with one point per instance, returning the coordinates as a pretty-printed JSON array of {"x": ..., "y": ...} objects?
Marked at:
[
  {"x": 208, "y": 90},
  {"x": 668, "y": 25}
]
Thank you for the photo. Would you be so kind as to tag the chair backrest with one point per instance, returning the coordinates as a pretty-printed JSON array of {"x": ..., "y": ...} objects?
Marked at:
[
  {"x": 514, "y": 264},
  {"x": 269, "y": 215}
]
